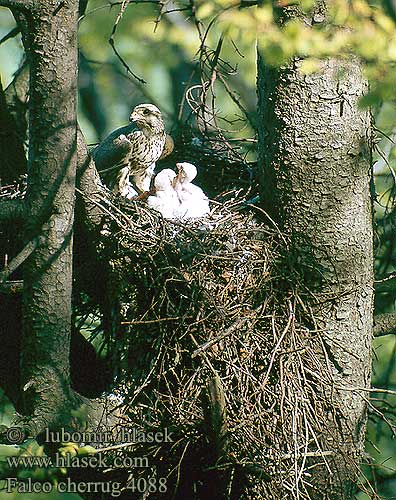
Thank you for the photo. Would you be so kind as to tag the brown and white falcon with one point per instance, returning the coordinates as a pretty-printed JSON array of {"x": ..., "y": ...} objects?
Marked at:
[{"x": 133, "y": 150}]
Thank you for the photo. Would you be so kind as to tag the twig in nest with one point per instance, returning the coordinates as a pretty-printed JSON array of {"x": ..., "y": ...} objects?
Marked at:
[
  {"x": 240, "y": 322},
  {"x": 216, "y": 416},
  {"x": 274, "y": 352},
  {"x": 151, "y": 321}
]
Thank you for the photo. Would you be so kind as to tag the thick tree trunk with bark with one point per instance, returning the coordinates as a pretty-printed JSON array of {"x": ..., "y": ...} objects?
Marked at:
[
  {"x": 50, "y": 201},
  {"x": 49, "y": 32},
  {"x": 315, "y": 163}
]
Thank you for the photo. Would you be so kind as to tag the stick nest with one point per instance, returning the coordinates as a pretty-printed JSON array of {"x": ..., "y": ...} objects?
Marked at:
[
  {"x": 212, "y": 345},
  {"x": 211, "y": 341}
]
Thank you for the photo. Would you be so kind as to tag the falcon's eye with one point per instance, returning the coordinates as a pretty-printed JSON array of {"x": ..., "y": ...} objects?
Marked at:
[{"x": 146, "y": 111}]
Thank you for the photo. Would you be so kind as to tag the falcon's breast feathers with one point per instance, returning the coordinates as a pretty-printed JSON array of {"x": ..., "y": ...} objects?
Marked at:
[{"x": 145, "y": 140}]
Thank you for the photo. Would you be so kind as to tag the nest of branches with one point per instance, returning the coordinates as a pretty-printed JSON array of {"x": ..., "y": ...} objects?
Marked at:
[{"x": 212, "y": 346}]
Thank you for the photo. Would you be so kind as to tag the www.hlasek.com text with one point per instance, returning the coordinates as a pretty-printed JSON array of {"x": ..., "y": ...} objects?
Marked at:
[{"x": 98, "y": 460}]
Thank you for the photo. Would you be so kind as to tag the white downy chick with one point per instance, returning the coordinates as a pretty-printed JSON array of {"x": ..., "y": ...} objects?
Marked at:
[
  {"x": 193, "y": 201},
  {"x": 165, "y": 200}
]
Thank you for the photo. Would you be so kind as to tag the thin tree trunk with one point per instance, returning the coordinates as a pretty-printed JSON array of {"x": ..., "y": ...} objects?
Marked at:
[{"x": 315, "y": 164}]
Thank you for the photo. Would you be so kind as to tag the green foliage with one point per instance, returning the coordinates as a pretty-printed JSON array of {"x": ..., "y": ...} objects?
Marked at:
[
  {"x": 356, "y": 27},
  {"x": 11, "y": 52},
  {"x": 156, "y": 47},
  {"x": 381, "y": 431},
  {"x": 81, "y": 416}
]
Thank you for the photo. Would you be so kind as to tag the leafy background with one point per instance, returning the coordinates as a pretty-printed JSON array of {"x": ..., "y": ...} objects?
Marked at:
[{"x": 165, "y": 51}]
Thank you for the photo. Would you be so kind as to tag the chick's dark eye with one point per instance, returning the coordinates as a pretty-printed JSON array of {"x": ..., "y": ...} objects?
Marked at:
[{"x": 145, "y": 111}]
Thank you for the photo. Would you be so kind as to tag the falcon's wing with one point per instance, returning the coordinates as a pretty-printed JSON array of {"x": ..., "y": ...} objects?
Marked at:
[
  {"x": 114, "y": 149},
  {"x": 168, "y": 148}
]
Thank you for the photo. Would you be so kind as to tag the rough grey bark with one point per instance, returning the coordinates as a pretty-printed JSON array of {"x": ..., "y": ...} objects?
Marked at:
[
  {"x": 384, "y": 324},
  {"x": 314, "y": 159},
  {"x": 52, "y": 55},
  {"x": 49, "y": 32}
]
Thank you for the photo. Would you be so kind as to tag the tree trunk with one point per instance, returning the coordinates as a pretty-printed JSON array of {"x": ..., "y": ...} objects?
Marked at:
[
  {"x": 315, "y": 170},
  {"x": 49, "y": 32}
]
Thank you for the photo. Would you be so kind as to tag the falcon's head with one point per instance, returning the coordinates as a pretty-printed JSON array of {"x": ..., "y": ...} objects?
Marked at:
[{"x": 148, "y": 118}]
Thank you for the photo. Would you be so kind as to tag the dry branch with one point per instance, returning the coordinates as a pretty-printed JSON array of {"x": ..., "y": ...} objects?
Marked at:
[
  {"x": 384, "y": 324},
  {"x": 19, "y": 259}
]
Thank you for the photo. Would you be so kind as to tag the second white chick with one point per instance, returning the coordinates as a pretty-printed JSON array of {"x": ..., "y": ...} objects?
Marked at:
[
  {"x": 165, "y": 200},
  {"x": 193, "y": 201}
]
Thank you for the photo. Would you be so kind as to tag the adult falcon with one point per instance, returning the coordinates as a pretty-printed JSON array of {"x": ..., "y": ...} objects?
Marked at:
[{"x": 133, "y": 150}]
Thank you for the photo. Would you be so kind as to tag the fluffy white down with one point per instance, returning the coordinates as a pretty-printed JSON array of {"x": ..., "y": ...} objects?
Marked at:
[
  {"x": 165, "y": 199},
  {"x": 193, "y": 202}
]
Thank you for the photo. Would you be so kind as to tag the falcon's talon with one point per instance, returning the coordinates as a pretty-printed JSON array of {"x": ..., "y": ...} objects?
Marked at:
[{"x": 145, "y": 195}]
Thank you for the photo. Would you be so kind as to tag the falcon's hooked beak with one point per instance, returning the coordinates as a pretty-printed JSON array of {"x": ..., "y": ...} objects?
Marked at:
[{"x": 134, "y": 116}]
